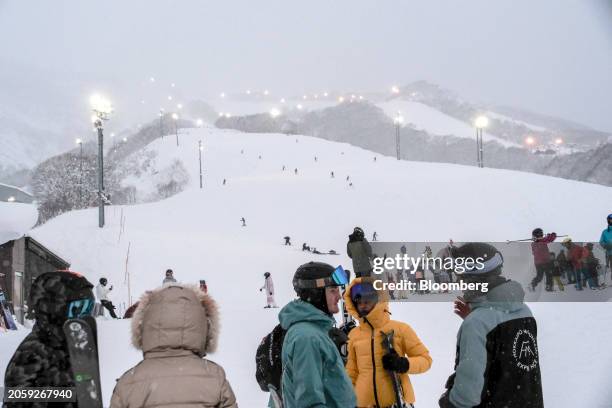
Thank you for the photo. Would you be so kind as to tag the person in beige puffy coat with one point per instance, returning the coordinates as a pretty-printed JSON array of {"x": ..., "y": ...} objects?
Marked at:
[{"x": 175, "y": 327}]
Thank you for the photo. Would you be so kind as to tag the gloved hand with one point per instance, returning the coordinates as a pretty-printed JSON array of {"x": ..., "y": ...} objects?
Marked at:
[
  {"x": 444, "y": 401},
  {"x": 393, "y": 362},
  {"x": 338, "y": 337}
]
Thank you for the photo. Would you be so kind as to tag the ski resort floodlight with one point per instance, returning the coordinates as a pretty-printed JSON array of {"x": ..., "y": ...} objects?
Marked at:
[
  {"x": 79, "y": 141},
  {"x": 100, "y": 105},
  {"x": 558, "y": 141},
  {"x": 11, "y": 199},
  {"x": 175, "y": 116},
  {"x": 266, "y": 92},
  {"x": 222, "y": 94},
  {"x": 325, "y": 94},
  {"x": 228, "y": 115},
  {"x": 530, "y": 140},
  {"x": 179, "y": 106},
  {"x": 282, "y": 100},
  {"x": 169, "y": 97},
  {"x": 481, "y": 122},
  {"x": 299, "y": 106},
  {"x": 248, "y": 91},
  {"x": 172, "y": 85},
  {"x": 399, "y": 119},
  {"x": 341, "y": 99},
  {"x": 152, "y": 79},
  {"x": 274, "y": 112},
  {"x": 395, "y": 89},
  {"x": 199, "y": 123},
  {"x": 125, "y": 139}
]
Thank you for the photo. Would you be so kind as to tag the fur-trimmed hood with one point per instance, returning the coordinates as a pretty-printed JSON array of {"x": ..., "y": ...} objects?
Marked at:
[{"x": 176, "y": 317}]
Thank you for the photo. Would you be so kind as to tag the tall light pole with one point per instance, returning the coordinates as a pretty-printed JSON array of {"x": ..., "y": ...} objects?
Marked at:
[
  {"x": 102, "y": 109},
  {"x": 175, "y": 117},
  {"x": 161, "y": 122},
  {"x": 480, "y": 123},
  {"x": 200, "y": 148},
  {"x": 80, "y": 143},
  {"x": 398, "y": 120}
]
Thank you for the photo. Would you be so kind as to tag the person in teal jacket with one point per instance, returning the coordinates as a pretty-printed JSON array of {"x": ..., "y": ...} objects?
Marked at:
[
  {"x": 606, "y": 243},
  {"x": 313, "y": 370}
]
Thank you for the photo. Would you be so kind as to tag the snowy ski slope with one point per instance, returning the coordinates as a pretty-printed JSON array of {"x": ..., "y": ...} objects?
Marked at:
[{"x": 198, "y": 234}]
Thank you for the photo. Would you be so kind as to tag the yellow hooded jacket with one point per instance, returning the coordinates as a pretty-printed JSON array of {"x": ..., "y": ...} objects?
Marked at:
[{"x": 365, "y": 347}]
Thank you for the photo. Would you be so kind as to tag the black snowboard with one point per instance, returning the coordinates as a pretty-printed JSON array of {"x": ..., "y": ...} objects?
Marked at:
[{"x": 83, "y": 350}]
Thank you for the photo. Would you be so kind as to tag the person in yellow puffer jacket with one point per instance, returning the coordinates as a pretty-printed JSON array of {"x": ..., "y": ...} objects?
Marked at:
[{"x": 368, "y": 362}]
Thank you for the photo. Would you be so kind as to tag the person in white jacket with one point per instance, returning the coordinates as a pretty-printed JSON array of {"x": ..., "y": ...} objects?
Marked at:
[
  {"x": 269, "y": 287},
  {"x": 102, "y": 292}
]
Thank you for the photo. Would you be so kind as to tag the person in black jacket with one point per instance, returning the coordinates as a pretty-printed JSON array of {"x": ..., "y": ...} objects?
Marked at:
[
  {"x": 359, "y": 250},
  {"x": 42, "y": 359},
  {"x": 497, "y": 362}
]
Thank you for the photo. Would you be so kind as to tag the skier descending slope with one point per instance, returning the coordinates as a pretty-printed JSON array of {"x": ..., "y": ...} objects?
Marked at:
[
  {"x": 497, "y": 363},
  {"x": 313, "y": 371},
  {"x": 42, "y": 359},
  {"x": 175, "y": 327}
]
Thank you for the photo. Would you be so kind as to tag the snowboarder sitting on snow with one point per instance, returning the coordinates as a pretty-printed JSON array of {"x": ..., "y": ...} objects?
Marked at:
[
  {"x": 287, "y": 240},
  {"x": 305, "y": 247},
  {"x": 42, "y": 358},
  {"x": 169, "y": 277},
  {"x": 368, "y": 362},
  {"x": 497, "y": 362},
  {"x": 313, "y": 371},
  {"x": 359, "y": 250},
  {"x": 175, "y": 326},
  {"x": 102, "y": 292},
  {"x": 269, "y": 287}
]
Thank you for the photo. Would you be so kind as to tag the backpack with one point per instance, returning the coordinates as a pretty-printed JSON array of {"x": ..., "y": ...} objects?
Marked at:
[{"x": 268, "y": 360}]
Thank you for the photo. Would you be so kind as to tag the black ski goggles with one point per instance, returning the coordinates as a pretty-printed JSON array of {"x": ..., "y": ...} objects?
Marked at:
[
  {"x": 81, "y": 307},
  {"x": 339, "y": 277},
  {"x": 364, "y": 292}
]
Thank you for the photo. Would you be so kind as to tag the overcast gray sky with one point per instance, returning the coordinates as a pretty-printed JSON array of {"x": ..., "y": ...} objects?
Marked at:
[{"x": 551, "y": 56}]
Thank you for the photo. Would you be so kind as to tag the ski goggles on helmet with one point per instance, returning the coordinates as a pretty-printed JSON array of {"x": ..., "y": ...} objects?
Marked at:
[
  {"x": 80, "y": 308},
  {"x": 364, "y": 292},
  {"x": 339, "y": 277}
]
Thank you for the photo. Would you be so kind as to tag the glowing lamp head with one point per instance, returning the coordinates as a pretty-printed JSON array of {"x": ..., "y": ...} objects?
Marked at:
[
  {"x": 529, "y": 140},
  {"x": 175, "y": 116},
  {"x": 395, "y": 89},
  {"x": 481, "y": 122},
  {"x": 100, "y": 104},
  {"x": 558, "y": 141},
  {"x": 274, "y": 112},
  {"x": 199, "y": 123},
  {"x": 78, "y": 141}
]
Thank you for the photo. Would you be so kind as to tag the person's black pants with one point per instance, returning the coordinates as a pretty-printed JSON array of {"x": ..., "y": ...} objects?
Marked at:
[
  {"x": 543, "y": 270},
  {"x": 110, "y": 307}
]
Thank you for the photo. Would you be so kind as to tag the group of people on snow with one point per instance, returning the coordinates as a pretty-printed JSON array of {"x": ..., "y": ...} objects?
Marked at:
[
  {"x": 368, "y": 364},
  {"x": 575, "y": 263}
]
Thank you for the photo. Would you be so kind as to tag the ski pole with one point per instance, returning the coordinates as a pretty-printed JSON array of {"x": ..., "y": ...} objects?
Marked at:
[
  {"x": 397, "y": 386},
  {"x": 509, "y": 241}
]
